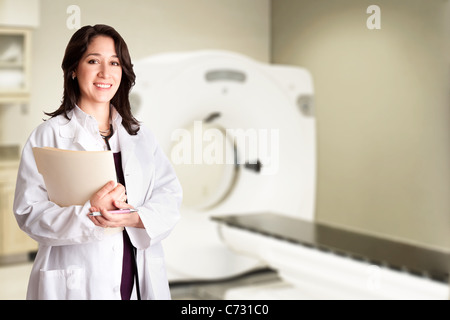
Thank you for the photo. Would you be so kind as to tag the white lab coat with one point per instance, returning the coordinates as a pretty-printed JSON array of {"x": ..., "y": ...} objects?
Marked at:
[{"x": 76, "y": 259}]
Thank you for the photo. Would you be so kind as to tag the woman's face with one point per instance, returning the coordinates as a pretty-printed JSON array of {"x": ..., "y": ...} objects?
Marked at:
[{"x": 99, "y": 72}]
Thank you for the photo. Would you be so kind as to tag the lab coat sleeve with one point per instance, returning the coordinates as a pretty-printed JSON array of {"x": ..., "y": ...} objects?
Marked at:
[
  {"x": 41, "y": 219},
  {"x": 161, "y": 210}
]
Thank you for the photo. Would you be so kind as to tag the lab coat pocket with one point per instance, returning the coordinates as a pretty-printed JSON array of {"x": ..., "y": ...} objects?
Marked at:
[{"x": 64, "y": 284}]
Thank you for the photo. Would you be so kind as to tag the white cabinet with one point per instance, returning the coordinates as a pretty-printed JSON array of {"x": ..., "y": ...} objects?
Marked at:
[
  {"x": 13, "y": 241},
  {"x": 15, "y": 46}
]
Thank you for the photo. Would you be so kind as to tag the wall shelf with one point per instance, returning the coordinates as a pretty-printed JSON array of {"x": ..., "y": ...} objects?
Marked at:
[{"x": 15, "y": 58}]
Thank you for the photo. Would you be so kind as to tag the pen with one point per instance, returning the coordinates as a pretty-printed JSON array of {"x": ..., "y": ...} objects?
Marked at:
[{"x": 96, "y": 214}]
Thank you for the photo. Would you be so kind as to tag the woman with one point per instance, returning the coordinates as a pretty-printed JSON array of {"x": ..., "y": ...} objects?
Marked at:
[{"x": 112, "y": 256}]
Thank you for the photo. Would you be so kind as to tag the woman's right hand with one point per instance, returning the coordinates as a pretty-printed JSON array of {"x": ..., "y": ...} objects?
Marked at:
[{"x": 107, "y": 195}]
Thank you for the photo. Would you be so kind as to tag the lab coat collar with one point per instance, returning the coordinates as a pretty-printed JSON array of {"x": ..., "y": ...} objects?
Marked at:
[
  {"x": 82, "y": 116},
  {"x": 85, "y": 119},
  {"x": 77, "y": 129},
  {"x": 74, "y": 129}
]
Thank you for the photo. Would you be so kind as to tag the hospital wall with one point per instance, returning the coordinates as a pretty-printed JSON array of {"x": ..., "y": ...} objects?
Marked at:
[
  {"x": 382, "y": 110},
  {"x": 148, "y": 27},
  {"x": 382, "y": 96}
]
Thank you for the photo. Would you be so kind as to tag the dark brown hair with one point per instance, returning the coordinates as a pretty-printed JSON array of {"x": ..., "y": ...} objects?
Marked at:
[{"x": 75, "y": 49}]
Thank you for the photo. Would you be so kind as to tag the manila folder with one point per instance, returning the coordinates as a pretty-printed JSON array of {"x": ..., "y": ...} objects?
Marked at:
[{"x": 72, "y": 177}]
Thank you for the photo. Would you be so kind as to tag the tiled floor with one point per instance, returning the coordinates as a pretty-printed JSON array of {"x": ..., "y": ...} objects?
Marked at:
[
  {"x": 217, "y": 290},
  {"x": 14, "y": 281}
]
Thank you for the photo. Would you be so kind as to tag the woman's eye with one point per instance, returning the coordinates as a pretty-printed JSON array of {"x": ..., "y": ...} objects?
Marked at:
[
  {"x": 93, "y": 61},
  {"x": 115, "y": 63}
]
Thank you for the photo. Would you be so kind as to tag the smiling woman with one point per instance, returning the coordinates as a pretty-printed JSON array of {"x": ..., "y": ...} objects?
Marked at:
[
  {"x": 99, "y": 74},
  {"x": 85, "y": 256},
  {"x": 98, "y": 49}
]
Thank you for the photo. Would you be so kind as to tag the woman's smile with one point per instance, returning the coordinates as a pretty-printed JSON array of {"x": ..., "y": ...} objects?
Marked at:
[{"x": 103, "y": 85}]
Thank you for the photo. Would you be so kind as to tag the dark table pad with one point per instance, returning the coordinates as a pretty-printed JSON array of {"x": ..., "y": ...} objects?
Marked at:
[{"x": 398, "y": 255}]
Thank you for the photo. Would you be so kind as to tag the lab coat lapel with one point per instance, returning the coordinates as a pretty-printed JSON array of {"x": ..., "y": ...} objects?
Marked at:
[{"x": 127, "y": 145}]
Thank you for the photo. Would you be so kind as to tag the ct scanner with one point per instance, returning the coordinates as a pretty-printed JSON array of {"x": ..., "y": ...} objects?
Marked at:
[{"x": 241, "y": 137}]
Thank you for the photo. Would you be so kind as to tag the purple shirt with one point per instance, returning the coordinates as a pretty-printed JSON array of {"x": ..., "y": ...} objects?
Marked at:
[{"x": 128, "y": 263}]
